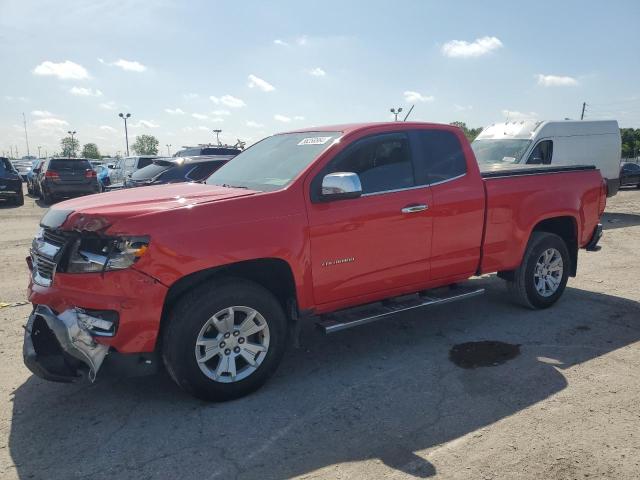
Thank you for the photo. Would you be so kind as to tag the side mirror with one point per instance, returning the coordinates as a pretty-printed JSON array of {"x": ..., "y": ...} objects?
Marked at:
[
  {"x": 341, "y": 186},
  {"x": 36, "y": 170},
  {"x": 111, "y": 166}
]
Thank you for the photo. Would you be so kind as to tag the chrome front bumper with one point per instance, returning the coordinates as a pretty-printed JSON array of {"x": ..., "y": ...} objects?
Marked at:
[{"x": 60, "y": 347}]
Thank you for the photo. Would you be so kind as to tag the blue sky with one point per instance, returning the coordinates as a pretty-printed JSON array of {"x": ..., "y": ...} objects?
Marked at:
[{"x": 254, "y": 68}]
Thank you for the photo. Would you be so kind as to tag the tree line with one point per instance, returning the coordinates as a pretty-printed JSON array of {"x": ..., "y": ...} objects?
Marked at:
[{"x": 70, "y": 147}]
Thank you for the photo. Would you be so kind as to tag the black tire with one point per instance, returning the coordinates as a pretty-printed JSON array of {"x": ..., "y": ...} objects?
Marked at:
[
  {"x": 189, "y": 315},
  {"x": 19, "y": 200},
  {"x": 47, "y": 198},
  {"x": 521, "y": 284}
]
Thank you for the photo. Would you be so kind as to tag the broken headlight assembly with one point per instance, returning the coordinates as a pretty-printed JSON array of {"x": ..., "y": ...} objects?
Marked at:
[{"x": 98, "y": 254}]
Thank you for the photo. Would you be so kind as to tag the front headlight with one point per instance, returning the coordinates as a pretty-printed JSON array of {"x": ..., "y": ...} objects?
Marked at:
[{"x": 94, "y": 254}]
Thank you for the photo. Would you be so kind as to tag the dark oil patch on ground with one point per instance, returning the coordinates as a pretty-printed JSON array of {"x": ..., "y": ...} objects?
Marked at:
[
  {"x": 583, "y": 328},
  {"x": 483, "y": 354}
]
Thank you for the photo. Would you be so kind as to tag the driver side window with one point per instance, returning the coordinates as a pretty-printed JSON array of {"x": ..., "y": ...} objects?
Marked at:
[
  {"x": 541, "y": 154},
  {"x": 383, "y": 163}
]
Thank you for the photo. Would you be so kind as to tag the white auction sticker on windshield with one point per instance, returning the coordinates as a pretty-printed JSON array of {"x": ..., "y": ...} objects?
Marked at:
[{"x": 314, "y": 141}]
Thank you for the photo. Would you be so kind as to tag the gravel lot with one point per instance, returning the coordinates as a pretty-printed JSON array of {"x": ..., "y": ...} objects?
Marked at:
[{"x": 382, "y": 401}]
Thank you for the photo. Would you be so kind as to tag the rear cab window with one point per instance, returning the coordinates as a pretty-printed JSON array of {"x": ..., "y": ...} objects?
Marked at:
[{"x": 439, "y": 156}]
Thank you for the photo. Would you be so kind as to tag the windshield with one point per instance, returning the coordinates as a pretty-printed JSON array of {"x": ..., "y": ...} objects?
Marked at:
[
  {"x": 5, "y": 164},
  {"x": 274, "y": 162},
  {"x": 499, "y": 151},
  {"x": 151, "y": 171}
]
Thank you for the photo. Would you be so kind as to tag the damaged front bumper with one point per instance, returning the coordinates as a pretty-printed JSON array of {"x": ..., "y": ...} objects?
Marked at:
[{"x": 61, "y": 348}]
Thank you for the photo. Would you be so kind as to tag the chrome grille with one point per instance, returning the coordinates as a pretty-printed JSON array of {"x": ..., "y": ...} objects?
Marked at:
[{"x": 46, "y": 250}]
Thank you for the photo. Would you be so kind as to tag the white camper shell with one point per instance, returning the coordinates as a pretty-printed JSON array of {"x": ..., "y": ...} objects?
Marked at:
[{"x": 568, "y": 142}]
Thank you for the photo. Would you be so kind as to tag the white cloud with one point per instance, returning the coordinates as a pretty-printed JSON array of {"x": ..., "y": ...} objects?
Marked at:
[
  {"x": 10, "y": 98},
  {"x": 298, "y": 117},
  {"x": 66, "y": 70},
  {"x": 144, "y": 123},
  {"x": 229, "y": 101},
  {"x": 220, "y": 112},
  {"x": 127, "y": 65},
  {"x": 513, "y": 115},
  {"x": 108, "y": 105},
  {"x": 107, "y": 128},
  {"x": 317, "y": 72},
  {"x": 411, "y": 96},
  {"x": 190, "y": 96},
  {"x": 51, "y": 123},
  {"x": 216, "y": 119},
  {"x": 302, "y": 40},
  {"x": 282, "y": 43},
  {"x": 174, "y": 111},
  {"x": 281, "y": 118},
  {"x": 477, "y": 48},
  {"x": 556, "y": 81},
  {"x": 42, "y": 113},
  {"x": 85, "y": 92},
  {"x": 203, "y": 128},
  {"x": 199, "y": 116},
  {"x": 252, "y": 124},
  {"x": 260, "y": 84},
  {"x": 462, "y": 108}
]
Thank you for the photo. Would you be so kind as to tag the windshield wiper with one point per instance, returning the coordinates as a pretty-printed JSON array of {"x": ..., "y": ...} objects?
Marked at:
[{"x": 226, "y": 185}]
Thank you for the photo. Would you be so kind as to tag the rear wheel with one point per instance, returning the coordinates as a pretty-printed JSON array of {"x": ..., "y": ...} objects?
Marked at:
[
  {"x": 542, "y": 276},
  {"x": 19, "y": 200},
  {"x": 224, "y": 339},
  {"x": 47, "y": 198}
]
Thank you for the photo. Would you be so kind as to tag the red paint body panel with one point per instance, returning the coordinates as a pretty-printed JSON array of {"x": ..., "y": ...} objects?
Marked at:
[
  {"x": 196, "y": 227},
  {"x": 136, "y": 297},
  {"x": 515, "y": 205}
]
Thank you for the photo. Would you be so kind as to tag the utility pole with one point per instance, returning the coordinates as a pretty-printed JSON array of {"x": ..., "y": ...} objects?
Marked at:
[
  {"x": 396, "y": 112},
  {"x": 168, "y": 149},
  {"x": 584, "y": 105},
  {"x": 126, "y": 133},
  {"x": 39, "y": 147},
  {"x": 26, "y": 137}
]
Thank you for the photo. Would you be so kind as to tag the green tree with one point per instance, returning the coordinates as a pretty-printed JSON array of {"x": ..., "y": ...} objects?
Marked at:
[
  {"x": 470, "y": 133},
  {"x": 146, "y": 145},
  {"x": 90, "y": 150},
  {"x": 69, "y": 146},
  {"x": 630, "y": 142}
]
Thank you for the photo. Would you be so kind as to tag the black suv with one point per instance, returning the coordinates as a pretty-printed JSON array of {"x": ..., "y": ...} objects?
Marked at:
[
  {"x": 66, "y": 177},
  {"x": 10, "y": 182},
  {"x": 175, "y": 170}
]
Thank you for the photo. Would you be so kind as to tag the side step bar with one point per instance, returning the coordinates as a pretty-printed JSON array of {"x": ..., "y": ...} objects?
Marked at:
[{"x": 354, "y": 317}]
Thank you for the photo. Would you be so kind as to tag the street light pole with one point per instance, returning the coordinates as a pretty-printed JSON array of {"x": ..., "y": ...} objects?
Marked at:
[
  {"x": 126, "y": 133},
  {"x": 396, "y": 112},
  {"x": 72, "y": 149},
  {"x": 39, "y": 147},
  {"x": 217, "y": 132},
  {"x": 168, "y": 149}
]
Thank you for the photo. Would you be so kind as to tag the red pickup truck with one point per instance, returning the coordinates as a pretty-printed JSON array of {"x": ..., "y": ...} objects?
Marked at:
[{"x": 343, "y": 225}]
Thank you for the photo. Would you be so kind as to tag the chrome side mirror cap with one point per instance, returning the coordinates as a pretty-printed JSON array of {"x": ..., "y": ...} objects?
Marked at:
[{"x": 341, "y": 186}]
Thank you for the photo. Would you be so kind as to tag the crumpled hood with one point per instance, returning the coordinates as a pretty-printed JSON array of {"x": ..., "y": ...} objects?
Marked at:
[{"x": 96, "y": 212}]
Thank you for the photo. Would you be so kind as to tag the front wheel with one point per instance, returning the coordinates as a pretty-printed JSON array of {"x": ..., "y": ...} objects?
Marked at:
[
  {"x": 542, "y": 276},
  {"x": 224, "y": 339}
]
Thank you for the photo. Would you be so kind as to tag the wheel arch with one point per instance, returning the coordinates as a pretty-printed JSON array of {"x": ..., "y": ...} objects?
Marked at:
[
  {"x": 566, "y": 227},
  {"x": 274, "y": 274}
]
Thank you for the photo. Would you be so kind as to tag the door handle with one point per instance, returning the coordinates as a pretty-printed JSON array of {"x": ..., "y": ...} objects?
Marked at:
[{"x": 414, "y": 208}]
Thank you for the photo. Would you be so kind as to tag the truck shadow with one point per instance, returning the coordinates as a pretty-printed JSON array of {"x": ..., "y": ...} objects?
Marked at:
[
  {"x": 611, "y": 220},
  {"x": 381, "y": 392}
]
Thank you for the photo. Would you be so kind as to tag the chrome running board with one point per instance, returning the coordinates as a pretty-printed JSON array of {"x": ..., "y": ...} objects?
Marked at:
[{"x": 354, "y": 317}]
